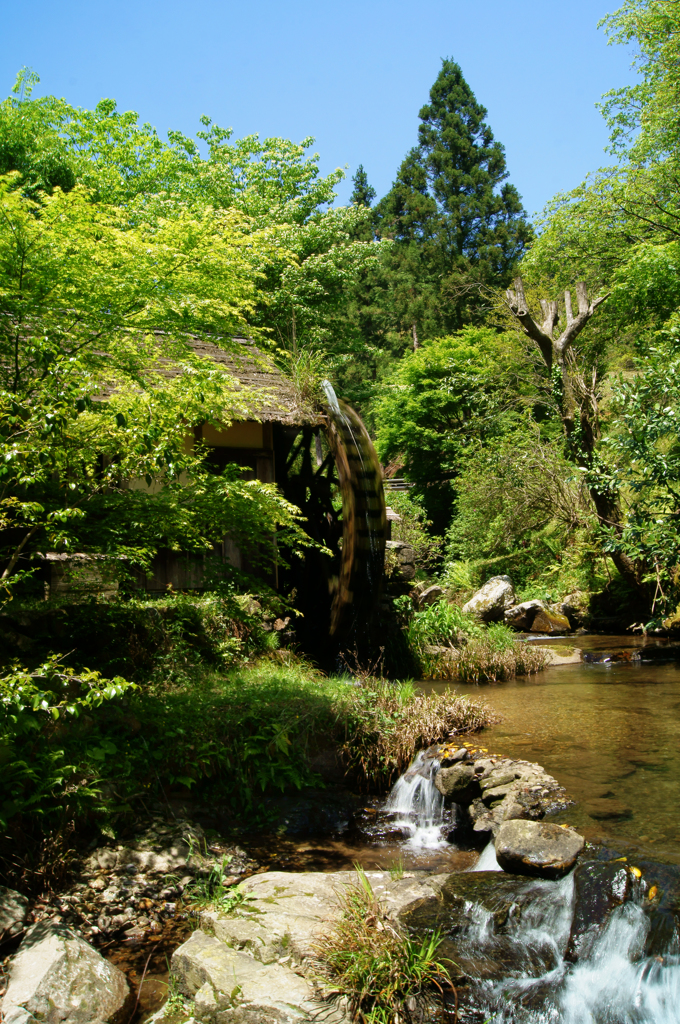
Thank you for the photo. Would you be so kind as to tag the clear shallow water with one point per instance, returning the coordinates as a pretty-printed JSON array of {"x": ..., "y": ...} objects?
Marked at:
[{"x": 610, "y": 734}]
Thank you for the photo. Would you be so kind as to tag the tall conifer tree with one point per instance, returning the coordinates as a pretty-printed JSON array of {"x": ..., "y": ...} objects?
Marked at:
[
  {"x": 363, "y": 194},
  {"x": 456, "y": 222}
]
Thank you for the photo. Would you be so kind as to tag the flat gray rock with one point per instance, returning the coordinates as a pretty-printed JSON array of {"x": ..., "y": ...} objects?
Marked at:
[
  {"x": 232, "y": 986},
  {"x": 56, "y": 976},
  {"x": 536, "y": 848},
  {"x": 286, "y": 913}
]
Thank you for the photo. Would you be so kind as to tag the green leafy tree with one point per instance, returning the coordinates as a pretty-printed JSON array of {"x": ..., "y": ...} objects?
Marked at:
[
  {"x": 91, "y": 309},
  {"x": 618, "y": 233},
  {"x": 439, "y": 402}
]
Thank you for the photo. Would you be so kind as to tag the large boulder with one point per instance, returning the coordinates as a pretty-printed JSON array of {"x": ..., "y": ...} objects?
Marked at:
[
  {"x": 548, "y": 621},
  {"x": 521, "y": 616},
  {"x": 13, "y": 912},
  {"x": 536, "y": 848},
  {"x": 576, "y": 607},
  {"x": 58, "y": 977},
  {"x": 492, "y": 600},
  {"x": 459, "y": 783},
  {"x": 287, "y": 913}
]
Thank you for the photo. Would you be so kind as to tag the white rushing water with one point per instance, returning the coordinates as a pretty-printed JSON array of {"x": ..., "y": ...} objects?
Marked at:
[
  {"x": 417, "y": 806},
  {"x": 487, "y": 860},
  {"x": 613, "y": 984}
]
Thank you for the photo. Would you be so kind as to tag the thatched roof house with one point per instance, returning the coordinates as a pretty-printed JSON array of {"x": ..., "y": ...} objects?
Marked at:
[{"x": 276, "y": 415}]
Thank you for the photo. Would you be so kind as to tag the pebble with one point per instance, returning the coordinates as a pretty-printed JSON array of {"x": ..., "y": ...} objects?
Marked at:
[{"x": 105, "y": 904}]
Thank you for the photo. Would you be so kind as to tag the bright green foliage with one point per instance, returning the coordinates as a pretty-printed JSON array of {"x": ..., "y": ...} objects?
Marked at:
[
  {"x": 91, "y": 309},
  {"x": 618, "y": 231},
  {"x": 645, "y": 447},
  {"x": 442, "y": 625},
  {"x": 450, "y": 644},
  {"x": 35, "y": 711},
  {"x": 457, "y": 223},
  {"x": 439, "y": 401},
  {"x": 304, "y": 276},
  {"x": 520, "y": 503}
]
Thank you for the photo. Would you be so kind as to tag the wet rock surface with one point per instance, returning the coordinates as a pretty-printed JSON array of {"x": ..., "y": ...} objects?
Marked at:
[
  {"x": 536, "y": 848},
  {"x": 493, "y": 789},
  {"x": 598, "y": 889},
  {"x": 478, "y": 913}
]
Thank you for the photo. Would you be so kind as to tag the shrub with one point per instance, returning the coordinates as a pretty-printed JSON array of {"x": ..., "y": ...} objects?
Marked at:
[
  {"x": 415, "y": 529},
  {"x": 452, "y": 645},
  {"x": 143, "y": 639},
  {"x": 382, "y": 971},
  {"x": 86, "y": 752}
]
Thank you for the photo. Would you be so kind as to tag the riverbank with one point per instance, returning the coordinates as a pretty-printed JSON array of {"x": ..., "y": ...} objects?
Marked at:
[{"x": 221, "y": 743}]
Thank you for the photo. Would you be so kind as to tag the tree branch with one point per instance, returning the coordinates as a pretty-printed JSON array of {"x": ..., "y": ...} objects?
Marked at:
[
  {"x": 17, "y": 551},
  {"x": 518, "y": 307}
]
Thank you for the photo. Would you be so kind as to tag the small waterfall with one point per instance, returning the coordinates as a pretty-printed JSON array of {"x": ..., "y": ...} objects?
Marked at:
[
  {"x": 418, "y": 806},
  {"x": 615, "y": 983},
  {"x": 487, "y": 859}
]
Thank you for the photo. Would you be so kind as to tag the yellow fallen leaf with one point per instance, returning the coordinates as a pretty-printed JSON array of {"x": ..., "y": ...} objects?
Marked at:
[
  {"x": 636, "y": 872},
  {"x": 484, "y": 750},
  {"x": 652, "y": 892}
]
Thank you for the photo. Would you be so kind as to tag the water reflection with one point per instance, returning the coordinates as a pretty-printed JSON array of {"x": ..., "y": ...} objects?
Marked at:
[{"x": 610, "y": 734}]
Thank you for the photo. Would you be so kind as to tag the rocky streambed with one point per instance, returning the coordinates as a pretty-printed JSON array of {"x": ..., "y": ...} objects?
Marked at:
[{"x": 526, "y": 928}]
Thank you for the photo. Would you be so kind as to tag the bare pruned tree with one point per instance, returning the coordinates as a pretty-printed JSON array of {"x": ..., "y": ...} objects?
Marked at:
[{"x": 576, "y": 398}]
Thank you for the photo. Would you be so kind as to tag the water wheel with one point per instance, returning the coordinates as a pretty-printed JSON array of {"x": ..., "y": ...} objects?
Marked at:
[{"x": 333, "y": 474}]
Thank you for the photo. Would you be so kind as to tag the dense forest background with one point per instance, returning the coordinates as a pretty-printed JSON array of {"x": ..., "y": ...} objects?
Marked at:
[{"x": 523, "y": 377}]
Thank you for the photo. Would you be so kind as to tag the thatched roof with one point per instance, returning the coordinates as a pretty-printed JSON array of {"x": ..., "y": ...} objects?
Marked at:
[{"x": 277, "y": 398}]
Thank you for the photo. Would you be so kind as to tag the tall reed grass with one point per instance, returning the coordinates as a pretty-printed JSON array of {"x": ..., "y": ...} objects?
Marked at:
[{"x": 383, "y": 973}]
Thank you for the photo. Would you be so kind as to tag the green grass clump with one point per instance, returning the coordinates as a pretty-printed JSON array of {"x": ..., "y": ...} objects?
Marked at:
[
  {"x": 383, "y": 725},
  {"x": 383, "y": 973},
  {"x": 452, "y": 645}
]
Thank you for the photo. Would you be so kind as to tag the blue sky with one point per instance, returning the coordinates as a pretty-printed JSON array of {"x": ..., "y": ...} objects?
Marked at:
[{"x": 353, "y": 75}]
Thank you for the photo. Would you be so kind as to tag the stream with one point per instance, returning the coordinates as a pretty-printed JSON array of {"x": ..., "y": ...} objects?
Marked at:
[
  {"x": 609, "y": 732},
  {"x": 601, "y": 945}
]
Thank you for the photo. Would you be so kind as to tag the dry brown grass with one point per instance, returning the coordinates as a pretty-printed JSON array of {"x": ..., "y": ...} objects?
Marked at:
[
  {"x": 479, "y": 662},
  {"x": 383, "y": 725}
]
